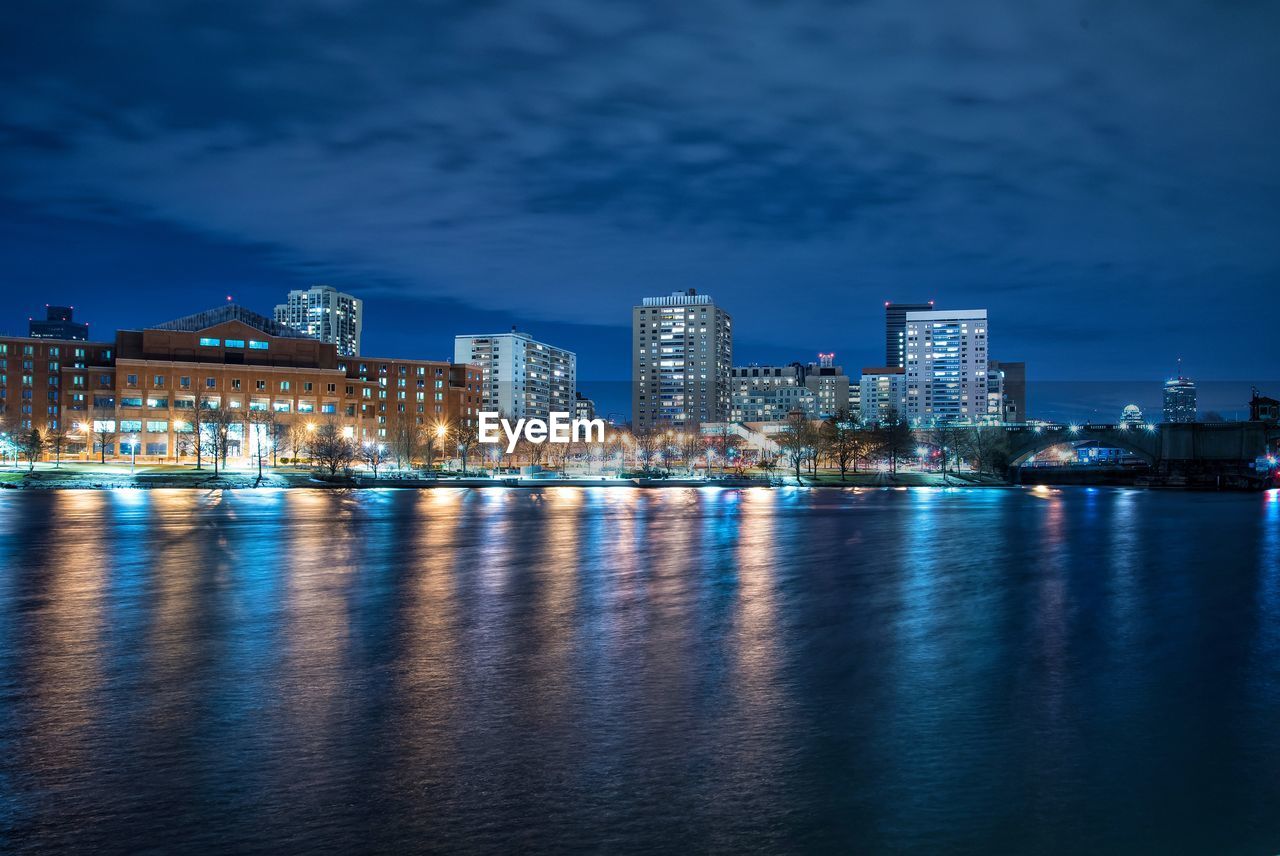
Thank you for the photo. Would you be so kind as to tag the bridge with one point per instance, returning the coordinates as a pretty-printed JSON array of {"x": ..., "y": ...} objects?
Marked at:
[{"x": 1191, "y": 449}]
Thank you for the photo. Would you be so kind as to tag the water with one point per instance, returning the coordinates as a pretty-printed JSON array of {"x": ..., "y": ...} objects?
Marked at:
[{"x": 623, "y": 671}]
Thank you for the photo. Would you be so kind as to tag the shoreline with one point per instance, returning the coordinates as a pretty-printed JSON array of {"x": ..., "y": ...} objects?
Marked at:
[
  {"x": 291, "y": 479},
  {"x": 301, "y": 480}
]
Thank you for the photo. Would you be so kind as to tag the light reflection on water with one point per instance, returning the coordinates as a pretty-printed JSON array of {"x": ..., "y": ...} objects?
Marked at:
[{"x": 585, "y": 668}]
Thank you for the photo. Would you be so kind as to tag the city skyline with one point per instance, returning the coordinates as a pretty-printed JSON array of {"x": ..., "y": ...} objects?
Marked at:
[
  {"x": 1053, "y": 399},
  {"x": 1067, "y": 170}
]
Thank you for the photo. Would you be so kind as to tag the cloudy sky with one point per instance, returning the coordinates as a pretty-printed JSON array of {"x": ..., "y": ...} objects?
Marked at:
[{"x": 1103, "y": 177}]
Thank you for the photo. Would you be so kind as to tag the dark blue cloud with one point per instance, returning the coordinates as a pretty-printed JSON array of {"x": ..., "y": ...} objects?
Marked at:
[{"x": 1101, "y": 177}]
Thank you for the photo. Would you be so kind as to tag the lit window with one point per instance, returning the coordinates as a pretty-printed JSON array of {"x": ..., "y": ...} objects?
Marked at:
[
  {"x": 206, "y": 342},
  {"x": 255, "y": 345}
]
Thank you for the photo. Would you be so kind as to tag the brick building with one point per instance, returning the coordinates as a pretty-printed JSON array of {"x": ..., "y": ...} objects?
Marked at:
[{"x": 145, "y": 387}]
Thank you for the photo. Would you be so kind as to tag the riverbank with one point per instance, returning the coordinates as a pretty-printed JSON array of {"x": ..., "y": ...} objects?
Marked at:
[{"x": 80, "y": 476}]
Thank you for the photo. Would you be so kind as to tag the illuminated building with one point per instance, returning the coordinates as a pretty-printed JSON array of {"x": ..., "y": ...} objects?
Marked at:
[
  {"x": 1010, "y": 399},
  {"x": 583, "y": 407},
  {"x": 324, "y": 313},
  {"x": 895, "y": 331},
  {"x": 882, "y": 394},
  {"x": 521, "y": 377},
  {"x": 44, "y": 383},
  {"x": 681, "y": 359},
  {"x": 158, "y": 382},
  {"x": 1132, "y": 416},
  {"x": 946, "y": 367},
  {"x": 1179, "y": 399}
]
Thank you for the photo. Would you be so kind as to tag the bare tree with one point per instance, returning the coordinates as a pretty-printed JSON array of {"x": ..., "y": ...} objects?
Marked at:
[
  {"x": 615, "y": 446},
  {"x": 843, "y": 441},
  {"x": 558, "y": 454},
  {"x": 648, "y": 447},
  {"x": 261, "y": 425},
  {"x": 405, "y": 436},
  {"x": 988, "y": 447},
  {"x": 726, "y": 442},
  {"x": 184, "y": 440},
  {"x": 796, "y": 441},
  {"x": 373, "y": 454},
  {"x": 466, "y": 437},
  {"x": 894, "y": 440},
  {"x": 56, "y": 442},
  {"x": 530, "y": 452},
  {"x": 218, "y": 421},
  {"x": 102, "y": 426},
  {"x": 689, "y": 446},
  {"x": 277, "y": 437},
  {"x": 950, "y": 440},
  {"x": 297, "y": 440},
  {"x": 197, "y": 428},
  {"x": 330, "y": 449},
  {"x": 433, "y": 436}
]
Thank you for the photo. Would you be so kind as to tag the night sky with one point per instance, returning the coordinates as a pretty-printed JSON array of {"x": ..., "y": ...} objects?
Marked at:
[{"x": 1103, "y": 177}]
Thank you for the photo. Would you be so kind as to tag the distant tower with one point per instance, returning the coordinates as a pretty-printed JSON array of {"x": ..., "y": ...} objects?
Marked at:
[
  {"x": 322, "y": 312},
  {"x": 1179, "y": 398},
  {"x": 895, "y": 330},
  {"x": 520, "y": 376},
  {"x": 946, "y": 366},
  {"x": 681, "y": 361}
]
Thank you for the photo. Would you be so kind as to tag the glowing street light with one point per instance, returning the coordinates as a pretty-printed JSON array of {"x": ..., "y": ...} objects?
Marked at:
[{"x": 133, "y": 452}]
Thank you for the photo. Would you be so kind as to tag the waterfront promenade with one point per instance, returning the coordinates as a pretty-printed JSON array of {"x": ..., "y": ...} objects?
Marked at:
[{"x": 81, "y": 476}]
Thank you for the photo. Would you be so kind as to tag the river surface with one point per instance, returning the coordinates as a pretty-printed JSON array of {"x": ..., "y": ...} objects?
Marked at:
[{"x": 616, "y": 671}]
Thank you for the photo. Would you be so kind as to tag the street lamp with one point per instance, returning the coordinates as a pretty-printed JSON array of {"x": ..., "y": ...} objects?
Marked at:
[{"x": 133, "y": 452}]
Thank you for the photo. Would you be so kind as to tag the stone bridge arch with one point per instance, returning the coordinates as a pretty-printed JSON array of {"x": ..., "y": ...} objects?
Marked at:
[{"x": 1140, "y": 440}]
